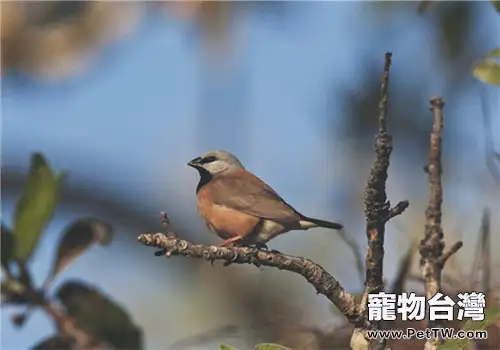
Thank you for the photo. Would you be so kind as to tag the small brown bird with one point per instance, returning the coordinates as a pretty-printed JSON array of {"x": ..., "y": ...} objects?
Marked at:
[{"x": 239, "y": 207}]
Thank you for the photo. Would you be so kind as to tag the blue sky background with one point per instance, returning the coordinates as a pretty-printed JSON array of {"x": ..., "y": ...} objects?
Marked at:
[{"x": 132, "y": 120}]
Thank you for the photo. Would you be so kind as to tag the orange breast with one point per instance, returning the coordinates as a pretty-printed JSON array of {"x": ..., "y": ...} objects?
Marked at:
[{"x": 224, "y": 221}]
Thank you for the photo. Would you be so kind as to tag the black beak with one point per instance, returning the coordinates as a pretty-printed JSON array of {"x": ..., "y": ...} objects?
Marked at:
[{"x": 195, "y": 163}]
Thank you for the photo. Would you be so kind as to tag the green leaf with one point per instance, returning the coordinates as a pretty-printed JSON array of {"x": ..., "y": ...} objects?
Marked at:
[
  {"x": 100, "y": 316},
  {"x": 487, "y": 69},
  {"x": 55, "y": 342},
  {"x": 269, "y": 346},
  {"x": 496, "y": 4},
  {"x": 199, "y": 339},
  {"x": 36, "y": 206},
  {"x": 226, "y": 347},
  {"x": 491, "y": 314},
  {"x": 7, "y": 249},
  {"x": 495, "y": 53},
  {"x": 77, "y": 238},
  {"x": 453, "y": 344}
]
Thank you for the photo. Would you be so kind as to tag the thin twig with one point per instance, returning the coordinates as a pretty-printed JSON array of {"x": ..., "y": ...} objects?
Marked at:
[
  {"x": 404, "y": 268},
  {"x": 64, "y": 323},
  {"x": 68, "y": 327},
  {"x": 432, "y": 246},
  {"x": 474, "y": 273},
  {"x": 446, "y": 255},
  {"x": 316, "y": 275},
  {"x": 167, "y": 227},
  {"x": 486, "y": 241},
  {"x": 398, "y": 209},
  {"x": 358, "y": 257}
]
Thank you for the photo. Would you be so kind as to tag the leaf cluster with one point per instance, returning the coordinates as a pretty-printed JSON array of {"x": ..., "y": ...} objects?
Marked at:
[{"x": 85, "y": 310}]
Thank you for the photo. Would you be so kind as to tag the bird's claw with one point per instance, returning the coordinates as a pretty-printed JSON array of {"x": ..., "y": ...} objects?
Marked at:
[
  {"x": 235, "y": 256},
  {"x": 260, "y": 246},
  {"x": 161, "y": 252},
  {"x": 264, "y": 247},
  {"x": 227, "y": 263}
]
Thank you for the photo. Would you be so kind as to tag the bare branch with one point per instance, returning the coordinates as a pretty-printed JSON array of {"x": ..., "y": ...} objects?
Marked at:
[
  {"x": 398, "y": 209},
  {"x": 377, "y": 208},
  {"x": 316, "y": 275},
  {"x": 432, "y": 246},
  {"x": 404, "y": 268},
  {"x": 167, "y": 227},
  {"x": 486, "y": 250},
  {"x": 376, "y": 203},
  {"x": 68, "y": 327},
  {"x": 64, "y": 323},
  {"x": 358, "y": 257},
  {"x": 446, "y": 255}
]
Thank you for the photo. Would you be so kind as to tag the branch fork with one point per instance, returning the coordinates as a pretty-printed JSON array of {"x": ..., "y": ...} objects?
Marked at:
[{"x": 433, "y": 256}]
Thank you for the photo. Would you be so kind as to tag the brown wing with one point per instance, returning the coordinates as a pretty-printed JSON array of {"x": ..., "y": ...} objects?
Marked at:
[{"x": 247, "y": 193}]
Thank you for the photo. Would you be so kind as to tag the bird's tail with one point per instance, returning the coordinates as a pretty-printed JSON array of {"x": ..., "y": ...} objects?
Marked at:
[{"x": 324, "y": 223}]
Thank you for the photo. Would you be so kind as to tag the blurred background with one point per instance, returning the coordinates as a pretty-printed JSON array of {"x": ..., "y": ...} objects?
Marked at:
[{"x": 122, "y": 95}]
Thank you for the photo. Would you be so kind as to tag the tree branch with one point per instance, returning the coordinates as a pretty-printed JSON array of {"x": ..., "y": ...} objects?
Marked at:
[
  {"x": 377, "y": 207},
  {"x": 376, "y": 204},
  {"x": 398, "y": 209},
  {"x": 486, "y": 250},
  {"x": 64, "y": 324},
  {"x": 322, "y": 281},
  {"x": 432, "y": 253},
  {"x": 68, "y": 327}
]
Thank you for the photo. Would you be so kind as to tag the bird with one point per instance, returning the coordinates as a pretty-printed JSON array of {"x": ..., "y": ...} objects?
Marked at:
[{"x": 240, "y": 207}]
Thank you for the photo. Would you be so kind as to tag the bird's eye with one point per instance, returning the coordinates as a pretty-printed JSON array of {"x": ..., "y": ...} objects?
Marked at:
[{"x": 208, "y": 159}]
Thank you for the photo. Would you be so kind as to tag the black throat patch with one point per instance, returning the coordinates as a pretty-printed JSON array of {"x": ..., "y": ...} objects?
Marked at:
[{"x": 205, "y": 178}]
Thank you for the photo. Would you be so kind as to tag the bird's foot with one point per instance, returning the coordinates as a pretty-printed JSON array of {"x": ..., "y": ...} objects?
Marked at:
[
  {"x": 264, "y": 247},
  {"x": 259, "y": 246},
  {"x": 230, "y": 241}
]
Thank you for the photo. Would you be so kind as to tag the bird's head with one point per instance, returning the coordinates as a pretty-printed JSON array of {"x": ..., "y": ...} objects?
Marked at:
[{"x": 216, "y": 162}]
